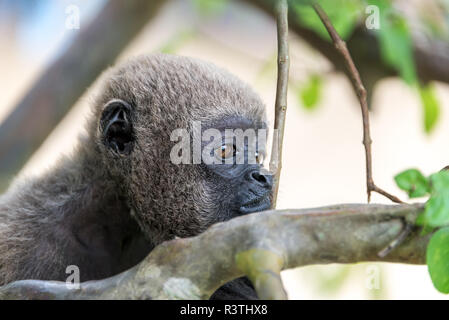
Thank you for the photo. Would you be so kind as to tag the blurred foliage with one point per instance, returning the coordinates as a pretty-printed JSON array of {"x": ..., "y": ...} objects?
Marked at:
[
  {"x": 435, "y": 215},
  {"x": 393, "y": 34},
  {"x": 344, "y": 15},
  {"x": 310, "y": 93},
  {"x": 395, "y": 41},
  {"x": 431, "y": 106},
  {"x": 437, "y": 257}
]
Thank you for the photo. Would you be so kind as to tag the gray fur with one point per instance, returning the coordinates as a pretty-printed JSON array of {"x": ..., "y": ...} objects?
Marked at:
[{"x": 52, "y": 221}]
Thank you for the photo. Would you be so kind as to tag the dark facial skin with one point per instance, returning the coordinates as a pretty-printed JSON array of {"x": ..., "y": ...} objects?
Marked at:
[{"x": 242, "y": 188}]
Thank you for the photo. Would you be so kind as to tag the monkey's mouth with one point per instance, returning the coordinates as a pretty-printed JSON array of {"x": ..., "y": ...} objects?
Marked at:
[{"x": 256, "y": 205}]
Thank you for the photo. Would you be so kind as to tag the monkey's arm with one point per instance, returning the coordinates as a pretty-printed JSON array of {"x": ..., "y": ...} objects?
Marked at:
[{"x": 238, "y": 289}]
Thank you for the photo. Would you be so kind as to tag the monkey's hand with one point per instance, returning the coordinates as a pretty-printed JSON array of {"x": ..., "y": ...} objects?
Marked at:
[{"x": 238, "y": 289}]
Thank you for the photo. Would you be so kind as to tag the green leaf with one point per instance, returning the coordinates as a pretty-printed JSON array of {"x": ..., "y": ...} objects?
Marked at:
[
  {"x": 310, "y": 93},
  {"x": 396, "y": 46},
  {"x": 436, "y": 213},
  {"x": 421, "y": 221},
  {"x": 395, "y": 41},
  {"x": 440, "y": 182},
  {"x": 431, "y": 106},
  {"x": 437, "y": 257},
  {"x": 344, "y": 15},
  {"x": 413, "y": 182}
]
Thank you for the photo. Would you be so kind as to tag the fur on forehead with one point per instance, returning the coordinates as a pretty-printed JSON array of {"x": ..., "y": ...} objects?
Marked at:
[{"x": 175, "y": 89}]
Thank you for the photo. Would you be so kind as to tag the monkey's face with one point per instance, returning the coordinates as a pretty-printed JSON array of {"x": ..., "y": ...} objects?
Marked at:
[
  {"x": 233, "y": 149},
  {"x": 186, "y": 141}
]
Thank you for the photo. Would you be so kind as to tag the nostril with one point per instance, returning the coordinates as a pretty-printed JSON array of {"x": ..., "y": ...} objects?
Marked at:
[{"x": 259, "y": 177}]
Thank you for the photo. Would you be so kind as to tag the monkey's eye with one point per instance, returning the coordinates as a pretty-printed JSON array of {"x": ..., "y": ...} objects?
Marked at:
[{"x": 225, "y": 151}]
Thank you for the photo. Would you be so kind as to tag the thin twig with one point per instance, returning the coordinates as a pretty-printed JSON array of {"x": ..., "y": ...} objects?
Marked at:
[
  {"x": 281, "y": 95},
  {"x": 341, "y": 47}
]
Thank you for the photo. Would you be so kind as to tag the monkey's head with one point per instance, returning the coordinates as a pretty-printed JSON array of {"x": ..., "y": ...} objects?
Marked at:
[{"x": 161, "y": 131}]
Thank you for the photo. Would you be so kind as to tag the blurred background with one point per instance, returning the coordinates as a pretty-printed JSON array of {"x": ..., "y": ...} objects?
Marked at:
[{"x": 51, "y": 53}]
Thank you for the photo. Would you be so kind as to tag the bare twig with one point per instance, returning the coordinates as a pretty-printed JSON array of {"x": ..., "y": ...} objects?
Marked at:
[
  {"x": 341, "y": 47},
  {"x": 258, "y": 245},
  {"x": 281, "y": 94},
  {"x": 95, "y": 48}
]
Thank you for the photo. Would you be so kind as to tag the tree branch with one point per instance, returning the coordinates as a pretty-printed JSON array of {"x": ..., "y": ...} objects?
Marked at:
[
  {"x": 341, "y": 47},
  {"x": 281, "y": 95},
  {"x": 256, "y": 245},
  {"x": 93, "y": 50}
]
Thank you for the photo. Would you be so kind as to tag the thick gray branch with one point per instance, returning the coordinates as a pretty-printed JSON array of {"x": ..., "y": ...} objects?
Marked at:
[{"x": 193, "y": 268}]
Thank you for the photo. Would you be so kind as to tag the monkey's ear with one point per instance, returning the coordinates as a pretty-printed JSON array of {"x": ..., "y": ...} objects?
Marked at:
[{"x": 116, "y": 127}]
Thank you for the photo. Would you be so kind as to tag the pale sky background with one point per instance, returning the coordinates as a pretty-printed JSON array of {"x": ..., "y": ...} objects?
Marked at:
[{"x": 323, "y": 154}]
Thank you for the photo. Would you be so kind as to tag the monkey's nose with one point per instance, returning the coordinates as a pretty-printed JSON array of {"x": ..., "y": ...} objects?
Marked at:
[{"x": 261, "y": 178}]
